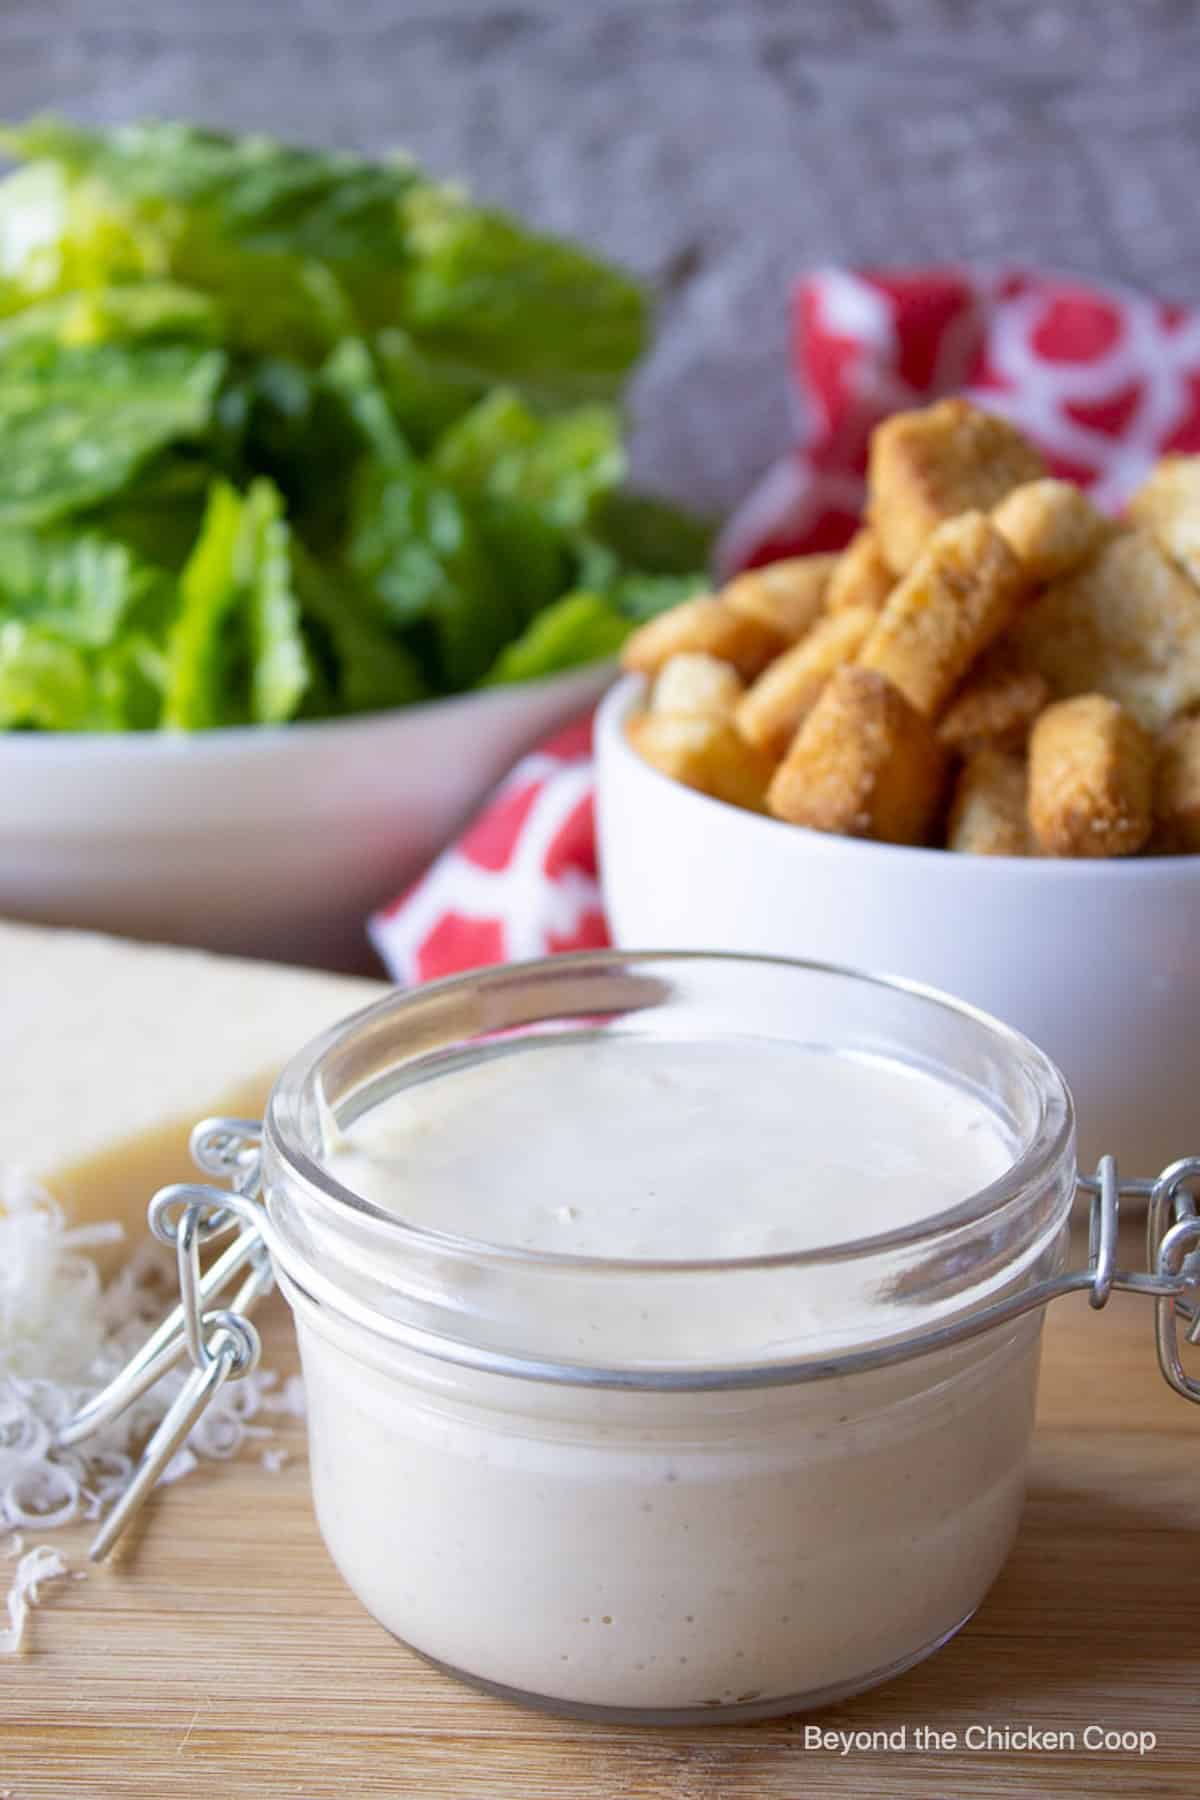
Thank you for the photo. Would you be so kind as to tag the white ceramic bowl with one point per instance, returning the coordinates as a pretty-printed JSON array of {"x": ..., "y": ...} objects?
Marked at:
[
  {"x": 1097, "y": 962},
  {"x": 269, "y": 841}
]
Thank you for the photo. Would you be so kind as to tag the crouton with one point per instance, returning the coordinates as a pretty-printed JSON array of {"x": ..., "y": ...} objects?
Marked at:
[
  {"x": 929, "y": 466},
  {"x": 860, "y": 577},
  {"x": 1090, "y": 766},
  {"x": 698, "y": 684},
  {"x": 996, "y": 704},
  {"x": 771, "y": 711},
  {"x": 863, "y": 764},
  {"x": 703, "y": 753},
  {"x": 1177, "y": 790},
  {"x": 1168, "y": 505},
  {"x": 1052, "y": 526},
  {"x": 707, "y": 625},
  {"x": 787, "y": 596},
  {"x": 1127, "y": 625},
  {"x": 962, "y": 592},
  {"x": 987, "y": 814}
]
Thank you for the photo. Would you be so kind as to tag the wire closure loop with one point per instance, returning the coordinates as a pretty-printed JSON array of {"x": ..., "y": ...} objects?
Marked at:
[
  {"x": 1178, "y": 1250},
  {"x": 187, "y": 1216},
  {"x": 223, "y": 1345},
  {"x": 221, "y": 1342}
]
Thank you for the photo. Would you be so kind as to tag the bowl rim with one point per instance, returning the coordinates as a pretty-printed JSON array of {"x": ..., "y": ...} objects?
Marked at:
[
  {"x": 613, "y": 746},
  {"x": 44, "y": 748}
]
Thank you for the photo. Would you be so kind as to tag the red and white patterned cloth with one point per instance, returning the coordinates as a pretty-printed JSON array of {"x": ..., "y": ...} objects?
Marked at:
[{"x": 1104, "y": 380}]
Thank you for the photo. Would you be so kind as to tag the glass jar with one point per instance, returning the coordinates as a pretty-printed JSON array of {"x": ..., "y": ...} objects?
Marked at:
[{"x": 652, "y": 1490}]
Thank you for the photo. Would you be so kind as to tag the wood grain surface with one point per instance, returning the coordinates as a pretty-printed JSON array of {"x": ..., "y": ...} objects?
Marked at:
[{"x": 223, "y": 1657}]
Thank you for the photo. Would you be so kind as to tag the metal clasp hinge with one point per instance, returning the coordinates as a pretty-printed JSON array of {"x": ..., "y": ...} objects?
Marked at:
[
  {"x": 1172, "y": 1278},
  {"x": 221, "y": 1342}
]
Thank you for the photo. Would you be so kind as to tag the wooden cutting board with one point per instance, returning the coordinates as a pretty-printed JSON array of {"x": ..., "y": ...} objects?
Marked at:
[{"x": 224, "y": 1657}]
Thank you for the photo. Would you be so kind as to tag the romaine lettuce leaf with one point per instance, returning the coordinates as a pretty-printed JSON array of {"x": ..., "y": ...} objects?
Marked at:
[
  {"x": 254, "y": 462},
  {"x": 530, "y": 557},
  {"x": 59, "y": 233},
  {"x": 579, "y": 628},
  {"x": 364, "y": 666},
  {"x": 647, "y": 532},
  {"x": 235, "y": 653},
  {"x": 560, "y": 465},
  {"x": 197, "y": 661},
  {"x": 253, "y": 190},
  {"x": 130, "y": 680},
  {"x": 261, "y": 226},
  {"x": 84, "y": 613},
  {"x": 351, "y": 376},
  {"x": 307, "y": 246},
  {"x": 307, "y": 430},
  {"x": 76, "y": 424},
  {"x": 278, "y": 663},
  {"x": 82, "y": 588},
  {"x": 159, "y": 512},
  {"x": 488, "y": 294},
  {"x": 638, "y": 597},
  {"x": 417, "y": 548},
  {"x": 137, "y": 310},
  {"x": 43, "y": 681},
  {"x": 427, "y": 393},
  {"x": 283, "y": 235},
  {"x": 636, "y": 593}
]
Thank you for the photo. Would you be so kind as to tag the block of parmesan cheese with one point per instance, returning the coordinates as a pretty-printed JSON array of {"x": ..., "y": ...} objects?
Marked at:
[{"x": 110, "y": 1051}]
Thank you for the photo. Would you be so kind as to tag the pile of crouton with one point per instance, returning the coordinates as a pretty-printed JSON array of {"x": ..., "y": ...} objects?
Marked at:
[{"x": 990, "y": 665}]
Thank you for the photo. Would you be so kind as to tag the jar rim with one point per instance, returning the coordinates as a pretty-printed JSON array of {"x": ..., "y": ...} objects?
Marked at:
[{"x": 1045, "y": 1145}]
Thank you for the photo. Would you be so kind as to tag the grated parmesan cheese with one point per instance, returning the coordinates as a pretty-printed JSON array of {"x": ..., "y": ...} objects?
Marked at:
[
  {"x": 63, "y": 1336},
  {"x": 42, "y": 1563}
]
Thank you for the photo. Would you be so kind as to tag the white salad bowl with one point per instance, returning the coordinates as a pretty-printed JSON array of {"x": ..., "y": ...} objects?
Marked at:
[
  {"x": 1097, "y": 962},
  {"x": 269, "y": 841}
]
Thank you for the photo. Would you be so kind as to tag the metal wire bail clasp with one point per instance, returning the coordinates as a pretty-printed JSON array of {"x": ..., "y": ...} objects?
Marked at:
[
  {"x": 1173, "y": 1247},
  {"x": 222, "y": 1343},
  {"x": 1172, "y": 1275}
]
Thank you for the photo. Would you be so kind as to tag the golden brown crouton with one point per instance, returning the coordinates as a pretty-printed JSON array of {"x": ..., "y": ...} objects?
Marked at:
[
  {"x": 1177, "y": 790},
  {"x": 996, "y": 704},
  {"x": 987, "y": 814},
  {"x": 1052, "y": 526},
  {"x": 703, "y": 753},
  {"x": 695, "y": 683},
  {"x": 1168, "y": 504},
  {"x": 1090, "y": 767},
  {"x": 962, "y": 592},
  {"x": 861, "y": 576},
  {"x": 704, "y": 624},
  {"x": 863, "y": 764},
  {"x": 1126, "y": 625},
  {"x": 787, "y": 690},
  {"x": 787, "y": 595},
  {"x": 931, "y": 465}
]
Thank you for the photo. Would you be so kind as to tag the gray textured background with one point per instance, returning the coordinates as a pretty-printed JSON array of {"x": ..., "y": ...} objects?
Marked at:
[{"x": 718, "y": 148}]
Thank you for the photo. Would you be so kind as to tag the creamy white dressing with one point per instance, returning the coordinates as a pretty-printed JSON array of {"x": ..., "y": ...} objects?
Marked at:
[
  {"x": 616, "y": 1146},
  {"x": 655, "y": 1553}
]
